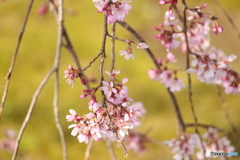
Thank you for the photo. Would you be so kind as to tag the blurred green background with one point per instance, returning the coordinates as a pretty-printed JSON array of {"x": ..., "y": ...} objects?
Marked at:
[{"x": 84, "y": 24}]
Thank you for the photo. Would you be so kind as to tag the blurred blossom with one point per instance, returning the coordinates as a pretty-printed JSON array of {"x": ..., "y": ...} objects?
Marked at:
[{"x": 8, "y": 142}]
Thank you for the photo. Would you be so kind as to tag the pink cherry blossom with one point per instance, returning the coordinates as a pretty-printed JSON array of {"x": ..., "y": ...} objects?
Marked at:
[
  {"x": 142, "y": 46},
  {"x": 175, "y": 84},
  {"x": 73, "y": 117},
  {"x": 114, "y": 9},
  {"x": 108, "y": 88},
  {"x": 71, "y": 74},
  {"x": 162, "y": 2},
  {"x": 113, "y": 74},
  {"x": 171, "y": 57},
  {"x": 127, "y": 54}
]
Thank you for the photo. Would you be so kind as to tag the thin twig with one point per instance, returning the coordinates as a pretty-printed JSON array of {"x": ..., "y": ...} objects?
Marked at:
[
  {"x": 10, "y": 70},
  {"x": 68, "y": 45},
  {"x": 131, "y": 30},
  {"x": 190, "y": 94},
  {"x": 111, "y": 150},
  {"x": 113, "y": 48},
  {"x": 224, "y": 106},
  {"x": 229, "y": 18},
  {"x": 29, "y": 113},
  {"x": 206, "y": 126},
  {"x": 56, "y": 87},
  {"x": 117, "y": 38},
  {"x": 154, "y": 60},
  {"x": 88, "y": 149}
]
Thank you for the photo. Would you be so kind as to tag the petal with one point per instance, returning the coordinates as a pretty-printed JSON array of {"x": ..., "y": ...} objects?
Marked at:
[
  {"x": 124, "y": 80},
  {"x": 73, "y": 112},
  {"x": 72, "y": 125}
]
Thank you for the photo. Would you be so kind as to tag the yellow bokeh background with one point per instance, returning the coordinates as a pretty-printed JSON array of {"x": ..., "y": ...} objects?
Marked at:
[{"x": 84, "y": 24}]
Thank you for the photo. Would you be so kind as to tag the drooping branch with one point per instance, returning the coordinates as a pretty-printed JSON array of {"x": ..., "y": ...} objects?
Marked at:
[
  {"x": 229, "y": 18},
  {"x": 29, "y": 113},
  {"x": 190, "y": 94},
  {"x": 56, "y": 85},
  {"x": 181, "y": 124},
  {"x": 10, "y": 70},
  {"x": 113, "y": 48}
]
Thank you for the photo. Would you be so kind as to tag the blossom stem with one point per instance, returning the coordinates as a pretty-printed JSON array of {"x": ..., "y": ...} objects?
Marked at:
[{"x": 113, "y": 48}]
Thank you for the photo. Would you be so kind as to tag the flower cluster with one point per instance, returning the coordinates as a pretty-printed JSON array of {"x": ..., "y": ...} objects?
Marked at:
[
  {"x": 184, "y": 146},
  {"x": 212, "y": 143},
  {"x": 128, "y": 52},
  {"x": 213, "y": 68},
  {"x": 209, "y": 64},
  {"x": 115, "y": 10},
  {"x": 111, "y": 119},
  {"x": 72, "y": 74},
  {"x": 187, "y": 145},
  {"x": 162, "y": 2},
  {"x": 136, "y": 141},
  {"x": 165, "y": 76}
]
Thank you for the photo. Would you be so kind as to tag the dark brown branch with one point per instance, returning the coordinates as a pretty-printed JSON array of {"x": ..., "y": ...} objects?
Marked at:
[
  {"x": 152, "y": 57},
  {"x": 10, "y": 70},
  {"x": 190, "y": 94},
  {"x": 131, "y": 30},
  {"x": 68, "y": 45}
]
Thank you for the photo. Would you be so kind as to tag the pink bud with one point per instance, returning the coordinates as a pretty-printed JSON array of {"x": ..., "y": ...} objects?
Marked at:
[
  {"x": 83, "y": 96},
  {"x": 70, "y": 67},
  {"x": 204, "y": 6},
  {"x": 43, "y": 9}
]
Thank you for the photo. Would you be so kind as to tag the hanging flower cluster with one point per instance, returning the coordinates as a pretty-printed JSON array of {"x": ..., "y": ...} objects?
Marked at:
[
  {"x": 187, "y": 145},
  {"x": 165, "y": 76},
  {"x": 109, "y": 120},
  {"x": 212, "y": 143},
  {"x": 115, "y": 10},
  {"x": 136, "y": 141},
  {"x": 209, "y": 64}
]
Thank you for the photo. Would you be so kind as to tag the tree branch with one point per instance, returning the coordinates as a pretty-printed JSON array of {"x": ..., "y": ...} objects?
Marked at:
[
  {"x": 29, "y": 113},
  {"x": 10, "y": 70},
  {"x": 154, "y": 60},
  {"x": 56, "y": 85}
]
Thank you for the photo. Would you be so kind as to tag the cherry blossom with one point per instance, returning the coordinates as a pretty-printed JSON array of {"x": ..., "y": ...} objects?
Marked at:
[
  {"x": 167, "y": 38},
  {"x": 110, "y": 120},
  {"x": 175, "y": 84},
  {"x": 183, "y": 146},
  {"x": 127, "y": 53},
  {"x": 113, "y": 74},
  {"x": 71, "y": 74},
  {"x": 73, "y": 117},
  {"x": 108, "y": 88},
  {"x": 162, "y": 2},
  {"x": 142, "y": 46},
  {"x": 137, "y": 142},
  {"x": 116, "y": 10},
  {"x": 212, "y": 143}
]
